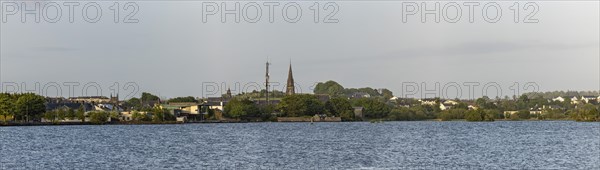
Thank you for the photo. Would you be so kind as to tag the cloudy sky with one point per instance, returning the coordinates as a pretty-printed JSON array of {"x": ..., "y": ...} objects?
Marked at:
[{"x": 171, "y": 52}]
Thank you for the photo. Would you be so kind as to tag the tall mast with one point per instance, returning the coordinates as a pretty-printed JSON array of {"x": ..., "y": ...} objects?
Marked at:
[{"x": 267, "y": 81}]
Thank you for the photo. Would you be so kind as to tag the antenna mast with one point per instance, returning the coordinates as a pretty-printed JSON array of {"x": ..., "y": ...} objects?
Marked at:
[{"x": 267, "y": 81}]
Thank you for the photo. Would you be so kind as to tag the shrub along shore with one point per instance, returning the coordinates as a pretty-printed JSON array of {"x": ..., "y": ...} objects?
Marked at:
[{"x": 347, "y": 104}]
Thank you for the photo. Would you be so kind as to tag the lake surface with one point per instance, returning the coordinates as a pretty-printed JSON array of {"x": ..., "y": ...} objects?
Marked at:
[{"x": 357, "y": 145}]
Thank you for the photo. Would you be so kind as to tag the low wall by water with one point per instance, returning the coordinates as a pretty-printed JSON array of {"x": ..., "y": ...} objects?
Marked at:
[{"x": 309, "y": 119}]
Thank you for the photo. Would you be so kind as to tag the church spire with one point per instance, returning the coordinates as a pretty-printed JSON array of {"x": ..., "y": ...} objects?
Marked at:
[{"x": 290, "y": 82}]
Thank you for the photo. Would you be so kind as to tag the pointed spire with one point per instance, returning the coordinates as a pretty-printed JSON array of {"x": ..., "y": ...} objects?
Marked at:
[
  {"x": 290, "y": 82},
  {"x": 228, "y": 95}
]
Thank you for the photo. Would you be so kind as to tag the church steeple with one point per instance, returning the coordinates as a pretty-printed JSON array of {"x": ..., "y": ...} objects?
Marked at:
[
  {"x": 290, "y": 82},
  {"x": 228, "y": 95}
]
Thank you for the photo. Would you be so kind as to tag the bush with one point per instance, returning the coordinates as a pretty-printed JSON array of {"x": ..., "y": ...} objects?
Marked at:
[
  {"x": 474, "y": 115},
  {"x": 99, "y": 117},
  {"x": 524, "y": 114},
  {"x": 452, "y": 114}
]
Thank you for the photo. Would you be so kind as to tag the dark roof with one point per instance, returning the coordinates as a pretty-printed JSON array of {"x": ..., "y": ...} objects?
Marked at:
[
  {"x": 213, "y": 103},
  {"x": 89, "y": 97},
  {"x": 216, "y": 99},
  {"x": 74, "y": 106}
]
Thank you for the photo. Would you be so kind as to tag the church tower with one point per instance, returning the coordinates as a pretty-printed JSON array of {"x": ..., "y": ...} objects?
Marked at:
[{"x": 290, "y": 83}]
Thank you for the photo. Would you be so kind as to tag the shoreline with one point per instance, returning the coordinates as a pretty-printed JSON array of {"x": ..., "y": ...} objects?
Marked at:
[{"x": 9, "y": 124}]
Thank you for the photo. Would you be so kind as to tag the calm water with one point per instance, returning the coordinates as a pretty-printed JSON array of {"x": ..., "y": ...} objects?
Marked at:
[{"x": 389, "y": 145}]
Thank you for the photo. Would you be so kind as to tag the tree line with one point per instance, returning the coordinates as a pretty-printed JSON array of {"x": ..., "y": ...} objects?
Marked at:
[{"x": 378, "y": 106}]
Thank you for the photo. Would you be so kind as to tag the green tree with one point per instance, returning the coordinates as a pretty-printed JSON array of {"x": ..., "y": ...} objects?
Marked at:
[
  {"x": 80, "y": 114},
  {"x": 330, "y": 87},
  {"x": 340, "y": 107},
  {"x": 7, "y": 106},
  {"x": 524, "y": 114},
  {"x": 587, "y": 112},
  {"x": 387, "y": 94},
  {"x": 71, "y": 114},
  {"x": 490, "y": 114},
  {"x": 133, "y": 104},
  {"x": 61, "y": 114},
  {"x": 301, "y": 105},
  {"x": 402, "y": 114},
  {"x": 474, "y": 115},
  {"x": 136, "y": 116},
  {"x": 373, "y": 108},
  {"x": 30, "y": 106},
  {"x": 452, "y": 114},
  {"x": 183, "y": 99},
  {"x": 99, "y": 117},
  {"x": 149, "y": 97},
  {"x": 241, "y": 108},
  {"x": 50, "y": 116}
]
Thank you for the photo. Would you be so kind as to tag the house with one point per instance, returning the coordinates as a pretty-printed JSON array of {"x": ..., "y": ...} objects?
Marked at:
[
  {"x": 194, "y": 112},
  {"x": 54, "y": 106},
  {"x": 431, "y": 102},
  {"x": 90, "y": 99},
  {"x": 87, "y": 107},
  {"x": 472, "y": 107},
  {"x": 552, "y": 107},
  {"x": 128, "y": 116},
  {"x": 574, "y": 100},
  {"x": 588, "y": 99},
  {"x": 450, "y": 102},
  {"x": 446, "y": 106},
  {"x": 508, "y": 113},
  {"x": 559, "y": 99},
  {"x": 107, "y": 107},
  {"x": 535, "y": 111},
  {"x": 217, "y": 103}
]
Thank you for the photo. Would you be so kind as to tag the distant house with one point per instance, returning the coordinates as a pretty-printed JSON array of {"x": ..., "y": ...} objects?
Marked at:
[
  {"x": 431, "y": 102},
  {"x": 445, "y": 106},
  {"x": 472, "y": 107},
  {"x": 508, "y": 113},
  {"x": 90, "y": 99},
  {"x": 535, "y": 111},
  {"x": 450, "y": 102},
  {"x": 128, "y": 116},
  {"x": 74, "y": 106},
  {"x": 87, "y": 107},
  {"x": 559, "y": 99},
  {"x": 589, "y": 99},
  {"x": 217, "y": 103},
  {"x": 107, "y": 107},
  {"x": 194, "y": 112},
  {"x": 574, "y": 100}
]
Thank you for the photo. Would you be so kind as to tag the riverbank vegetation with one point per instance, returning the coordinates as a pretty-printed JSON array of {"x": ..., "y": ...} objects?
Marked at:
[
  {"x": 329, "y": 99},
  {"x": 379, "y": 104}
]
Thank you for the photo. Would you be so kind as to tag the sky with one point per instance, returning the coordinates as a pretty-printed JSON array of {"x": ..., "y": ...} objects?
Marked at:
[{"x": 180, "y": 49}]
